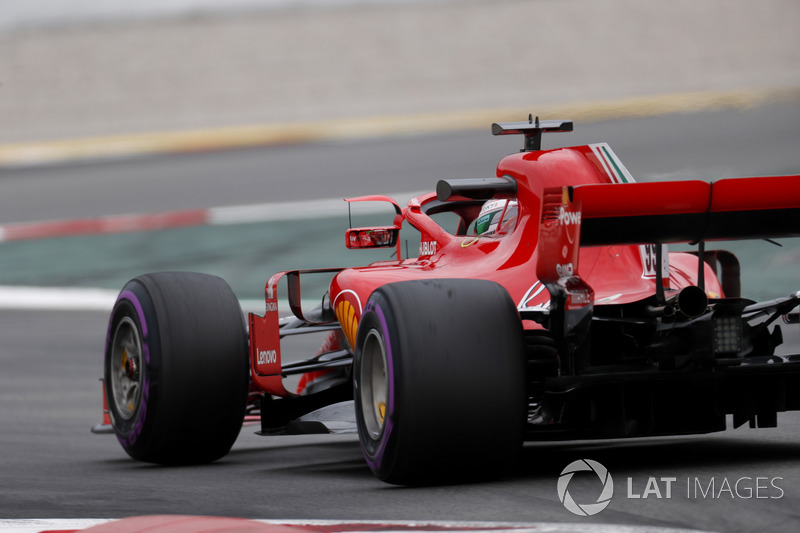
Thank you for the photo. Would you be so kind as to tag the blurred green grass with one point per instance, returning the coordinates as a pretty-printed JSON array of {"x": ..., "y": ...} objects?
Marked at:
[{"x": 246, "y": 255}]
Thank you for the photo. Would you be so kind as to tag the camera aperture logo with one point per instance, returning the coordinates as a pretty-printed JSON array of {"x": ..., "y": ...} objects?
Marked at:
[{"x": 585, "y": 509}]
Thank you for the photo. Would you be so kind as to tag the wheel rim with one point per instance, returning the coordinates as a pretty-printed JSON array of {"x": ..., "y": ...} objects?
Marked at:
[
  {"x": 127, "y": 372},
  {"x": 374, "y": 384}
]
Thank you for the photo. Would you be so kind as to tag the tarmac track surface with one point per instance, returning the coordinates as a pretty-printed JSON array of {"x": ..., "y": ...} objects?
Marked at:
[
  {"x": 709, "y": 145},
  {"x": 53, "y": 467}
]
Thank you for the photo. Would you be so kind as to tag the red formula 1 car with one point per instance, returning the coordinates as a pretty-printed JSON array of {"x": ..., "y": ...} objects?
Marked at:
[{"x": 553, "y": 310}]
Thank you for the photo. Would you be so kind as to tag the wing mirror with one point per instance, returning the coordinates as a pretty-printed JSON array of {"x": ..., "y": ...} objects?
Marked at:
[{"x": 377, "y": 237}]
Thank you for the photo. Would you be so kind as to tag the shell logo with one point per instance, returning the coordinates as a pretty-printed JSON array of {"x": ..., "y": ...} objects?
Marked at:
[{"x": 347, "y": 317}]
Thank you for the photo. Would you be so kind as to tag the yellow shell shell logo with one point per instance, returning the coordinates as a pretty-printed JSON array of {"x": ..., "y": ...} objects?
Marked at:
[{"x": 346, "y": 315}]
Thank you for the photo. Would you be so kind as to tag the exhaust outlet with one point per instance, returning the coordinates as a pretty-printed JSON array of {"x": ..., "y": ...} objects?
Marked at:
[{"x": 691, "y": 301}]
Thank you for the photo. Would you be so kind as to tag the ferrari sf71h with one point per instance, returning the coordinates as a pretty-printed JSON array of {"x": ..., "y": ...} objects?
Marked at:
[{"x": 551, "y": 310}]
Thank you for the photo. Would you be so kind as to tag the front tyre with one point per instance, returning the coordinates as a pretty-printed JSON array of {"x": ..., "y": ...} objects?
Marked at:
[
  {"x": 176, "y": 368},
  {"x": 439, "y": 381}
]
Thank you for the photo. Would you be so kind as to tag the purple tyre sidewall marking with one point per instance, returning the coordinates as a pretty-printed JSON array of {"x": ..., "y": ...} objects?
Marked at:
[
  {"x": 375, "y": 460},
  {"x": 128, "y": 295},
  {"x": 135, "y": 431}
]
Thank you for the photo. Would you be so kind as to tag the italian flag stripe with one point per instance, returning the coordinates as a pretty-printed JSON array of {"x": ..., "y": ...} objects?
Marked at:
[{"x": 611, "y": 163}]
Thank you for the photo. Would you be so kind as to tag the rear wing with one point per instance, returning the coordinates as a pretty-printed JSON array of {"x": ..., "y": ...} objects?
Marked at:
[
  {"x": 689, "y": 211},
  {"x": 661, "y": 213}
]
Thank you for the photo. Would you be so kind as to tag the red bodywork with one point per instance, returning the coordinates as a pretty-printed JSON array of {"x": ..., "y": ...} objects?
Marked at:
[{"x": 618, "y": 273}]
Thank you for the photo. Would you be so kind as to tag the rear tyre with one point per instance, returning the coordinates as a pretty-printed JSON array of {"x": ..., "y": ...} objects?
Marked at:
[
  {"x": 439, "y": 377},
  {"x": 176, "y": 368}
]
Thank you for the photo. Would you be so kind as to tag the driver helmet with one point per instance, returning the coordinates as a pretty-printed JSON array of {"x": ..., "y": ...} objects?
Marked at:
[{"x": 488, "y": 221}]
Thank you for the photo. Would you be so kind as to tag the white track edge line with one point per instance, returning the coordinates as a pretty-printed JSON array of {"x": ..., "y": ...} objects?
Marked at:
[
  {"x": 96, "y": 299},
  {"x": 36, "y": 525}
]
